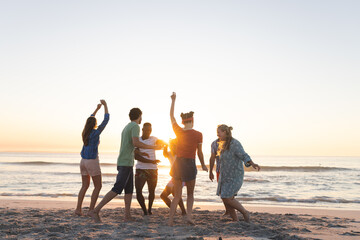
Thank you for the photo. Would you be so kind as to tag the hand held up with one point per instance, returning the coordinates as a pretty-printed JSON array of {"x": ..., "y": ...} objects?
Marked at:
[{"x": 173, "y": 96}]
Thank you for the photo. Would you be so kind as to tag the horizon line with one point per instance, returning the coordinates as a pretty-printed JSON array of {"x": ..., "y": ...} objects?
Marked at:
[{"x": 110, "y": 152}]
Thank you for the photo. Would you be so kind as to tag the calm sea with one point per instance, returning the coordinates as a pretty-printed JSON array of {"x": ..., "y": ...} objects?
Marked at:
[{"x": 330, "y": 182}]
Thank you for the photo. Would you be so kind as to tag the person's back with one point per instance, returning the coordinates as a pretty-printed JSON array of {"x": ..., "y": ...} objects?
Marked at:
[
  {"x": 90, "y": 151},
  {"x": 126, "y": 155},
  {"x": 90, "y": 165},
  {"x": 188, "y": 141}
]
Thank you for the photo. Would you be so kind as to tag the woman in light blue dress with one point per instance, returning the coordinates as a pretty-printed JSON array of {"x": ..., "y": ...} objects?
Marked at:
[{"x": 232, "y": 160}]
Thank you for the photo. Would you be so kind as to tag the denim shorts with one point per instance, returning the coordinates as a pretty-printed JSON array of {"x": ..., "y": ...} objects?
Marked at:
[
  {"x": 184, "y": 169},
  {"x": 124, "y": 180}
]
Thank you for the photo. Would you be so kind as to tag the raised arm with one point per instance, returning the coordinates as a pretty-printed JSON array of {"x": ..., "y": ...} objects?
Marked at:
[
  {"x": 201, "y": 157},
  {"x": 172, "y": 108},
  {"x": 103, "y": 102},
  {"x": 96, "y": 110},
  {"x": 106, "y": 117}
]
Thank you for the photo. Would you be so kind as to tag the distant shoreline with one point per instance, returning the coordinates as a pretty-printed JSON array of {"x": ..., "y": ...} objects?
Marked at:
[{"x": 116, "y": 152}]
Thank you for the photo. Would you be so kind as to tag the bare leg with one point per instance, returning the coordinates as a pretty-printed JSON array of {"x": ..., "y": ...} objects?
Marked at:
[
  {"x": 232, "y": 202},
  {"x": 227, "y": 210},
  {"x": 85, "y": 185},
  {"x": 182, "y": 207},
  {"x": 190, "y": 185},
  {"x": 177, "y": 189},
  {"x": 231, "y": 212},
  {"x": 107, "y": 198},
  {"x": 151, "y": 188},
  {"x": 127, "y": 200},
  {"x": 139, "y": 184},
  {"x": 95, "y": 194},
  {"x": 165, "y": 196}
]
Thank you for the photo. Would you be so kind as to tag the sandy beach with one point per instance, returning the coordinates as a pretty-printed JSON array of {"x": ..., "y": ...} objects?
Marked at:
[{"x": 54, "y": 219}]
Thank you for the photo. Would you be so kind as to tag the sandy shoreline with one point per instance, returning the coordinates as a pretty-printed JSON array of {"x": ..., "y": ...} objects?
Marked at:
[{"x": 53, "y": 219}]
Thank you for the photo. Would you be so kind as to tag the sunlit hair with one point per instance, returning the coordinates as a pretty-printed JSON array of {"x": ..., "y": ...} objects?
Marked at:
[
  {"x": 224, "y": 145},
  {"x": 89, "y": 126},
  {"x": 187, "y": 117},
  {"x": 172, "y": 146},
  {"x": 147, "y": 124}
]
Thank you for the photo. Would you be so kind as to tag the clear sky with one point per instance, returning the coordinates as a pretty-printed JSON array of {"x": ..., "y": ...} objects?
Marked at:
[{"x": 284, "y": 74}]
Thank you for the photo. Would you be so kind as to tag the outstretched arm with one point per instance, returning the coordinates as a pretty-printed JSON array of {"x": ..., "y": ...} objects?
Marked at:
[
  {"x": 138, "y": 144},
  {"x": 172, "y": 108}
]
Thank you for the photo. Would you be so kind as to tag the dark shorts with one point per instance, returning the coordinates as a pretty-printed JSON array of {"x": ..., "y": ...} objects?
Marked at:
[
  {"x": 149, "y": 175},
  {"x": 184, "y": 169},
  {"x": 124, "y": 180}
]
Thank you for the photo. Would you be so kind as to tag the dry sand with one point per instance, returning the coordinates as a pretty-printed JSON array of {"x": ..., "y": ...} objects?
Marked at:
[{"x": 40, "y": 219}]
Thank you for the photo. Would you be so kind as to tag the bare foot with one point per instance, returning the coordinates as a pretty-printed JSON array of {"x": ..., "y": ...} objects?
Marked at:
[
  {"x": 128, "y": 219},
  {"x": 95, "y": 216},
  {"x": 189, "y": 220},
  {"x": 78, "y": 213},
  {"x": 247, "y": 216},
  {"x": 89, "y": 213},
  {"x": 226, "y": 213},
  {"x": 171, "y": 223}
]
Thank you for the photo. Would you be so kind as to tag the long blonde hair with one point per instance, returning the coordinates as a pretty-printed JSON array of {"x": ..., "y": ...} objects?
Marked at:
[{"x": 224, "y": 145}]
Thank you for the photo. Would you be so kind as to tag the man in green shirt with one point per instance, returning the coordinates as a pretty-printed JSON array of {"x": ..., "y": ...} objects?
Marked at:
[{"x": 125, "y": 163}]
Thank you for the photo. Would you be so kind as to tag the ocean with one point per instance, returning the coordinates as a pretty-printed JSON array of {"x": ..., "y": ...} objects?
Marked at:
[{"x": 321, "y": 182}]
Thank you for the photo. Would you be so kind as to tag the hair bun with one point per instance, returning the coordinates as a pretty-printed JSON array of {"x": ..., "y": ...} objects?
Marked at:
[{"x": 230, "y": 128}]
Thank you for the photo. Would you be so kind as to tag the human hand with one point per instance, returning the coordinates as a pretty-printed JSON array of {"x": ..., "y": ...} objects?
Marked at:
[
  {"x": 98, "y": 106},
  {"x": 211, "y": 176},
  {"x": 204, "y": 167},
  {"x": 255, "y": 166},
  {"x": 157, "y": 161},
  {"x": 103, "y": 102},
  {"x": 173, "y": 96}
]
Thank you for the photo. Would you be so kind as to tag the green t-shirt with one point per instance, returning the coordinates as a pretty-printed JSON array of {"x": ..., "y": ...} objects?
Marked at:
[{"x": 126, "y": 155}]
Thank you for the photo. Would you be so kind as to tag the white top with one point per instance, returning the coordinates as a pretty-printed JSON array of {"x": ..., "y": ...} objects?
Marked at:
[{"x": 150, "y": 141}]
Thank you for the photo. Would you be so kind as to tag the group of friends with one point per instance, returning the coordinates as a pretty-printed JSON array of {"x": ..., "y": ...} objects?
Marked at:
[{"x": 226, "y": 151}]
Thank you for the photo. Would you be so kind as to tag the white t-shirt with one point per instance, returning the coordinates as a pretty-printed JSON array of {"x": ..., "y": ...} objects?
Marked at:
[{"x": 151, "y": 152}]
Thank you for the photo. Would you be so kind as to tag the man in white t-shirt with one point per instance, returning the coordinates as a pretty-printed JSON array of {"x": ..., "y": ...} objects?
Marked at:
[{"x": 146, "y": 168}]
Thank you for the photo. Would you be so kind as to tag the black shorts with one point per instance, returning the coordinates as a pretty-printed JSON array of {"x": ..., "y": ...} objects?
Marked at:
[
  {"x": 184, "y": 169},
  {"x": 124, "y": 180}
]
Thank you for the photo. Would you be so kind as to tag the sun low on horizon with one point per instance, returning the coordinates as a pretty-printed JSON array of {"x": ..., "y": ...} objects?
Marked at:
[{"x": 285, "y": 78}]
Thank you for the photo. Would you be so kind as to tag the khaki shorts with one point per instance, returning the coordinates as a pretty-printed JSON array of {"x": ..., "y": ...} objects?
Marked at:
[{"x": 90, "y": 167}]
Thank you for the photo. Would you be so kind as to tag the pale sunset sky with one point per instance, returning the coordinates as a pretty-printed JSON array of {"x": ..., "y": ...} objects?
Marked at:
[{"x": 284, "y": 74}]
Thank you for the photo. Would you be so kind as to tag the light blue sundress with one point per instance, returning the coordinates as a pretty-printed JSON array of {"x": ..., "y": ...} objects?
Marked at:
[{"x": 232, "y": 169}]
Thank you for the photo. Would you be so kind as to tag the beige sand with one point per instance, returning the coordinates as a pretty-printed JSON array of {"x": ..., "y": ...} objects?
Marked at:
[{"x": 40, "y": 219}]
